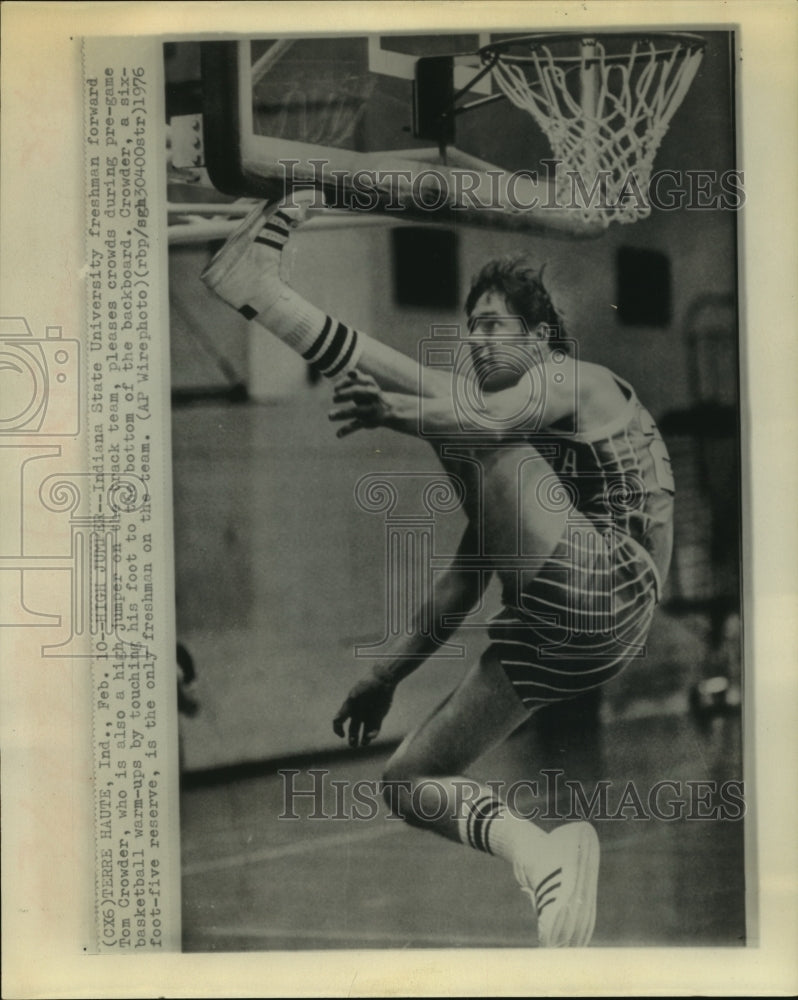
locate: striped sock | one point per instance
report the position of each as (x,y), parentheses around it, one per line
(488,825)
(327,345)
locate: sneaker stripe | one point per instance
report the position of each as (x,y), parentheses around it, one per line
(542,906)
(551,875)
(269,243)
(280,230)
(547,892)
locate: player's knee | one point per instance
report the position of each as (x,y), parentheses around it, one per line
(506,469)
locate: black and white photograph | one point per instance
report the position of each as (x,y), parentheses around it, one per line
(401,549)
(457,490)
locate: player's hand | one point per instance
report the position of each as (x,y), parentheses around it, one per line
(365,707)
(360,401)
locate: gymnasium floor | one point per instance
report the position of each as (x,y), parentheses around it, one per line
(274,661)
(254,882)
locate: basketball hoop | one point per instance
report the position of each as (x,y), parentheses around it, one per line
(604,102)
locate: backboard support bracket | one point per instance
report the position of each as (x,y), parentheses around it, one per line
(435,106)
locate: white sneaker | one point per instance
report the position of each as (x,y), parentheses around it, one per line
(562,882)
(252,252)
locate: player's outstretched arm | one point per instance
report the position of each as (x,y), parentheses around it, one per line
(456,592)
(360,402)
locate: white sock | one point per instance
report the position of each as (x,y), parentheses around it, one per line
(488,825)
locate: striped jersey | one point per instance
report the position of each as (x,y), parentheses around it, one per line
(620,477)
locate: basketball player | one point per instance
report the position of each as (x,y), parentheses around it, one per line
(568,496)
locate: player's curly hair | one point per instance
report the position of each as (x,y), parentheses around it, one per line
(521,285)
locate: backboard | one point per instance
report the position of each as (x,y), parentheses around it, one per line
(356,117)
(321,111)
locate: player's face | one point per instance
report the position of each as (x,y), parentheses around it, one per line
(502,348)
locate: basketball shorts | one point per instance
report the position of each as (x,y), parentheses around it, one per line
(579,620)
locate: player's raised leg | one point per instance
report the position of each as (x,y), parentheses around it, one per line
(246,274)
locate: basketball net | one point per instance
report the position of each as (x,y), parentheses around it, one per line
(605,138)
